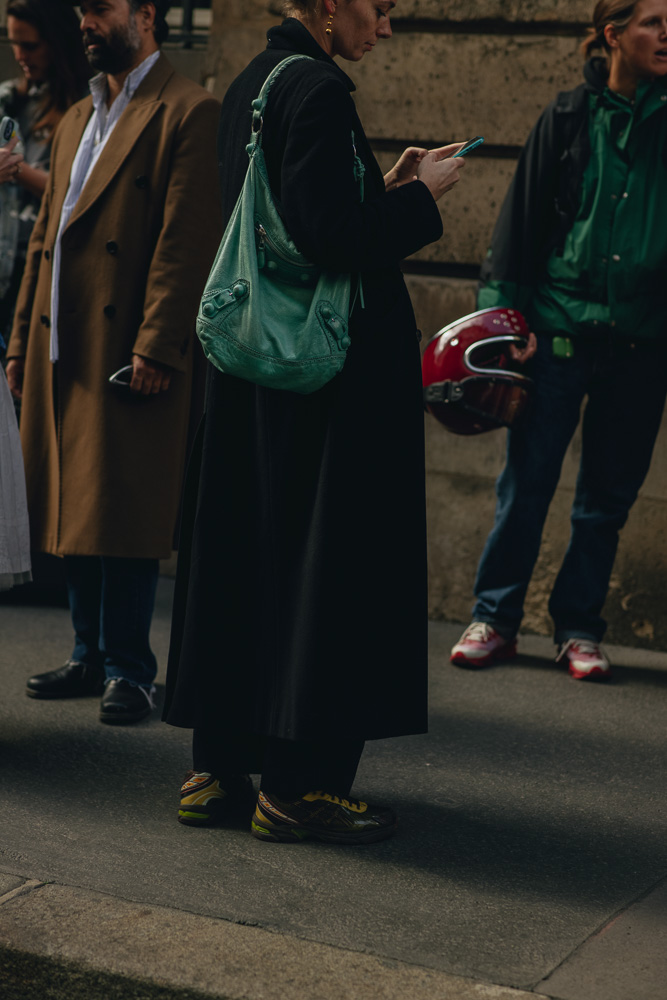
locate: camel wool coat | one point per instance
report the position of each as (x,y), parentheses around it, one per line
(104,467)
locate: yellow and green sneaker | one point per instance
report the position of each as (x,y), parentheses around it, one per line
(204,801)
(321,816)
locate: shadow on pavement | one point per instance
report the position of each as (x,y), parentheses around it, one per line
(29,977)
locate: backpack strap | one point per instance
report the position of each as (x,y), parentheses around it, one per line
(573,149)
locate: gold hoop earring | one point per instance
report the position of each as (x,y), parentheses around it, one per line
(329,24)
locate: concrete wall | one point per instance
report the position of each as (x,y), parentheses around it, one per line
(453,70)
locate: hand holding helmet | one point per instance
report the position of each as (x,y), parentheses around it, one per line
(469,385)
(523,354)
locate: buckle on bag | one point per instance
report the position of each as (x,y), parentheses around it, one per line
(257,111)
(225,297)
(335,325)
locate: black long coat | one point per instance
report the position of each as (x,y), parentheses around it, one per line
(300,608)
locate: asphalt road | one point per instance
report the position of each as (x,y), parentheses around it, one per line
(531,850)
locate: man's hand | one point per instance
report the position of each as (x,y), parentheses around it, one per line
(521,354)
(149,377)
(14,372)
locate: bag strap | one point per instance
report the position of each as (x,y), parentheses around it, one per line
(259,104)
(258,109)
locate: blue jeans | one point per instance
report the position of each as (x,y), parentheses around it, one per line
(111,601)
(626,387)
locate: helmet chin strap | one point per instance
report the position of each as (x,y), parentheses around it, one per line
(443,392)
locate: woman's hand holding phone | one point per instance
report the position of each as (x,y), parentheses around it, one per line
(416,163)
(9,161)
(439,170)
(406,169)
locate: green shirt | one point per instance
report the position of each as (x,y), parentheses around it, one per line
(614,263)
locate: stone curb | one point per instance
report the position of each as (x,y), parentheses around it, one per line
(176,949)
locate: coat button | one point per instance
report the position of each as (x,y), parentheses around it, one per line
(47,255)
(141,181)
(110,311)
(112,246)
(45,321)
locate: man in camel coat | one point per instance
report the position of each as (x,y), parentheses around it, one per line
(116,265)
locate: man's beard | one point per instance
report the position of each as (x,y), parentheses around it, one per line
(116,52)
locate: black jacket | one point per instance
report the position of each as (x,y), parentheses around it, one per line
(543,198)
(300,609)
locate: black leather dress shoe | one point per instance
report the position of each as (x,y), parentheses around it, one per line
(125,702)
(72,680)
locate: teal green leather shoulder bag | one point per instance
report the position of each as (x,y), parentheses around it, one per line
(269,315)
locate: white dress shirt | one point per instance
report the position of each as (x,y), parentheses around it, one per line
(99,128)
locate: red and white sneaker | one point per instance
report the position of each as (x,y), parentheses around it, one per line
(585,660)
(480,645)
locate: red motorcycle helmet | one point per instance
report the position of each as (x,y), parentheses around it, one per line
(469,385)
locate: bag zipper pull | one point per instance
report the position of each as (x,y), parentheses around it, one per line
(261,245)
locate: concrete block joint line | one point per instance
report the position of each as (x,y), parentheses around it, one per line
(21,890)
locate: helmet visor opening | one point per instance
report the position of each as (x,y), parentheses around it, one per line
(500,401)
(494,353)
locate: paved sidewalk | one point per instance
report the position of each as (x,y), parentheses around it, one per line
(531,858)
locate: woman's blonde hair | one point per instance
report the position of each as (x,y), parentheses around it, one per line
(299,7)
(618,13)
(308,7)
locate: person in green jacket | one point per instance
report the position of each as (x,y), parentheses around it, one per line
(580,247)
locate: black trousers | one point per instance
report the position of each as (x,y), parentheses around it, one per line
(289,768)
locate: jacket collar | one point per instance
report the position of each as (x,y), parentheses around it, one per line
(596,74)
(154,82)
(293,36)
(134,119)
(650,95)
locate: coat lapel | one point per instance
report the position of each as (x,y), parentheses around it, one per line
(134,119)
(69,139)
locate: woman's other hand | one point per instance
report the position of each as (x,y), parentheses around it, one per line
(439,169)
(405,170)
(521,354)
(9,161)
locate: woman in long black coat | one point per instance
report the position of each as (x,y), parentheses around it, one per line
(300,614)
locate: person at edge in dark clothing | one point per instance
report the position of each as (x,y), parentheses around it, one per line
(46,43)
(580,247)
(300,609)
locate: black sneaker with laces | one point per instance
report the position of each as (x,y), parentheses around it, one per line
(321,816)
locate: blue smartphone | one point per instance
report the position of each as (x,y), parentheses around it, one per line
(470,144)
